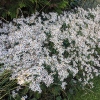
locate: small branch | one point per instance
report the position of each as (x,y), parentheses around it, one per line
(4,19)
(65,93)
(18,12)
(89,90)
(3,96)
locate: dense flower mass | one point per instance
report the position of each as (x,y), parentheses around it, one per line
(38,49)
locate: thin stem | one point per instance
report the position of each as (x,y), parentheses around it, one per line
(4,19)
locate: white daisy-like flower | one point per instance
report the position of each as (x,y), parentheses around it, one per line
(65,44)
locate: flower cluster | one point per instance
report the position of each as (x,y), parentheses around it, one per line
(39,48)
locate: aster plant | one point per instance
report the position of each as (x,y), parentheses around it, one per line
(52,50)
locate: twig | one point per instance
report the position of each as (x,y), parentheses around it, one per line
(17,12)
(42,8)
(4,19)
(3,96)
(89,90)
(65,93)
(45,5)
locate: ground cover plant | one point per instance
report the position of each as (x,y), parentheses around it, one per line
(52,52)
(8,87)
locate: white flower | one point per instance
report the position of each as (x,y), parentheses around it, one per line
(14,93)
(24,52)
(24,97)
(63,85)
(21,80)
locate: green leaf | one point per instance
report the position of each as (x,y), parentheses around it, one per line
(73,42)
(34,99)
(88,57)
(25,91)
(33,1)
(71,91)
(58,98)
(37,95)
(65,54)
(31,93)
(98,50)
(56,90)
(63,27)
(43,86)
(47,67)
(79,33)
(21,5)
(18,97)
(65,99)
(66,43)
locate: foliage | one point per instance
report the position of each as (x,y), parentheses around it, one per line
(10,90)
(6,85)
(87,93)
(54,92)
(10,9)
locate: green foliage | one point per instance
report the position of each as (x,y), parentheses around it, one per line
(54,92)
(37,95)
(66,43)
(88,93)
(47,67)
(88,3)
(11,9)
(6,85)
(65,54)
(73,42)
(58,98)
(64,27)
(50,45)
(98,50)
(79,33)
(1,65)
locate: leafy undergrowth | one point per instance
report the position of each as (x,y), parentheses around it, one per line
(7,86)
(88,94)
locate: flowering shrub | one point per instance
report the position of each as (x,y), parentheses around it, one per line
(52,49)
